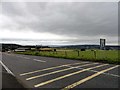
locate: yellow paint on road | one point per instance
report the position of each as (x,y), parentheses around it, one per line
(27,73)
(88,78)
(67,75)
(34,77)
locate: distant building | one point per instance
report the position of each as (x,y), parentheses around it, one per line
(46,49)
(21,49)
(102,44)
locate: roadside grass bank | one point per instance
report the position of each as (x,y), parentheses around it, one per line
(105,56)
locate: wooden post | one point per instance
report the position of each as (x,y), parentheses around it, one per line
(95,54)
(65,53)
(78,53)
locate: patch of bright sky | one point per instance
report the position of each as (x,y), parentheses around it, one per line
(31,35)
(60,0)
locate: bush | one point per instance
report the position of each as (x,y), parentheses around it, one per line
(36,53)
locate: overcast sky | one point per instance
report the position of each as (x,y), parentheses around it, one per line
(59,23)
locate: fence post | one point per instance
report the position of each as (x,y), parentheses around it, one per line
(65,53)
(95,53)
(78,53)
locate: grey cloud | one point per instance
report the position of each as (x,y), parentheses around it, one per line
(68,19)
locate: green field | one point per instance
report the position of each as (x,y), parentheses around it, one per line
(107,56)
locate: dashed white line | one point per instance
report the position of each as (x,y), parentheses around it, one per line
(18,56)
(26,57)
(39,60)
(33,59)
(68,66)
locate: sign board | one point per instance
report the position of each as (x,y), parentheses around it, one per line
(102,44)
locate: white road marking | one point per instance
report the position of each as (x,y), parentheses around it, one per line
(33,59)
(6,68)
(68,66)
(98,71)
(26,57)
(39,60)
(114,75)
(18,56)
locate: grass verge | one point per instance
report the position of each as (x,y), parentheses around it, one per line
(104,56)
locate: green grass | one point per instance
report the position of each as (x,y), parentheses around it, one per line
(106,56)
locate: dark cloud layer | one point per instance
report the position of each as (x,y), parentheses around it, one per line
(93,19)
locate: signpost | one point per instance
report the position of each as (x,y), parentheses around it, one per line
(102,44)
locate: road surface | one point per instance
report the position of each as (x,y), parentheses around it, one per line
(47,72)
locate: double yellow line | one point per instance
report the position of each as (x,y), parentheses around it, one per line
(67,75)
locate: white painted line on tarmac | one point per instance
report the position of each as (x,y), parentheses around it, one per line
(6,68)
(18,56)
(26,57)
(114,75)
(39,60)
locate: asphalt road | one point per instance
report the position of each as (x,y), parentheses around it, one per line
(46,72)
